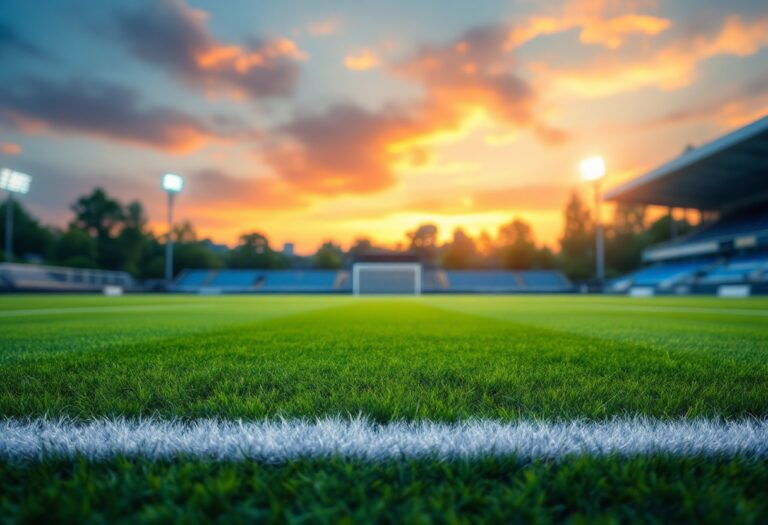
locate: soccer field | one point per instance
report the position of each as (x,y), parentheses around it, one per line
(397,398)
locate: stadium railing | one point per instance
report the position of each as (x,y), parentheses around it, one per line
(34,277)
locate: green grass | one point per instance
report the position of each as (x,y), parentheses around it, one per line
(586,490)
(441,358)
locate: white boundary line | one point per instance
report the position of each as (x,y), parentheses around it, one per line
(284,440)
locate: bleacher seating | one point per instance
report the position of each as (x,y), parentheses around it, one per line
(319,281)
(544,280)
(739,270)
(194,278)
(299,280)
(483,281)
(745,222)
(434,281)
(235,279)
(717,238)
(662,275)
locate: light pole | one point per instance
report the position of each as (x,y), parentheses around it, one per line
(172,184)
(593,170)
(12,182)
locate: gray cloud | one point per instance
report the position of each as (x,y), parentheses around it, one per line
(173,36)
(99,109)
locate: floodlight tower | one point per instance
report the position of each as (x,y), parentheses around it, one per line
(172,184)
(12,182)
(593,170)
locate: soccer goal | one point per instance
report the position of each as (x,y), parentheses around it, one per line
(386,278)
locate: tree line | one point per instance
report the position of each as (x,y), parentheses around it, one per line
(105,233)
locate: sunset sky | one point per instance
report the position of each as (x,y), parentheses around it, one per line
(312,120)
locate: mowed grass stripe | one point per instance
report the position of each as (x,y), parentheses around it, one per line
(116,324)
(695,332)
(386,359)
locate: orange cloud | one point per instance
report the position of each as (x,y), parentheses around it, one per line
(512,199)
(341,150)
(361,61)
(10,148)
(349,149)
(611,32)
(600,22)
(671,67)
(474,75)
(242,61)
(212,189)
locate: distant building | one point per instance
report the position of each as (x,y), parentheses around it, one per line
(288,249)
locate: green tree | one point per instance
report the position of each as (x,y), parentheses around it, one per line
(253,251)
(97,214)
(75,248)
(133,240)
(328,257)
(101,217)
(461,252)
(625,239)
(194,256)
(545,259)
(517,249)
(423,241)
(661,230)
(578,241)
(29,237)
(360,247)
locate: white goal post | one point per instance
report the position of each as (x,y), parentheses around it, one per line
(386,278)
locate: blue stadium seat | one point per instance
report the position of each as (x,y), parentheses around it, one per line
(544,280)
(299,280)
(235,279)
(193,278)
(666,272)
(738,270)
(743,223)
(483,281)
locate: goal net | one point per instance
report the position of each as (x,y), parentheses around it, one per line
(386,278)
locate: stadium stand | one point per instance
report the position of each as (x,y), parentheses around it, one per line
(300,281)
(543,280)
(33,277)
(267,281)
(727,178)
(325,281)
(741,269)
(484,281)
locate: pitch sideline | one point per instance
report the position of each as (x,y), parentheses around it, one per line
(285,440)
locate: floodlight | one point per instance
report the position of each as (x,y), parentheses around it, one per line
(13,181)
(173,183)
(592,168)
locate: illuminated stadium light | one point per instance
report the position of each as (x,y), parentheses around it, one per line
(592,168)
(14,181)
(173,183)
